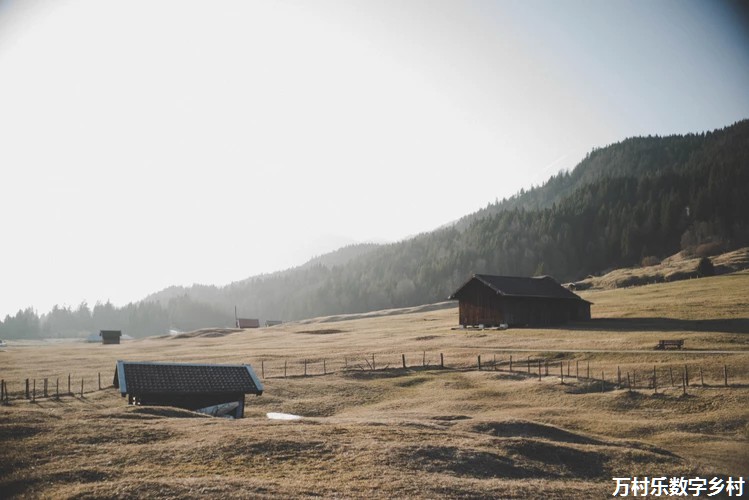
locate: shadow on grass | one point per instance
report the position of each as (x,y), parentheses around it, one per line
(738,325)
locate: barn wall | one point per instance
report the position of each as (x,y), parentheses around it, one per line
(480,305)
(189,401)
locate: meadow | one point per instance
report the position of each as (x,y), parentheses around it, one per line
(372,428)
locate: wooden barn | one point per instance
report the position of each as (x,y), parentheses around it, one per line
(517,301)
(248,323)
(110,336)
(217,390)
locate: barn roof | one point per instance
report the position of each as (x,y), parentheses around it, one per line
(248,323)
(143,377)
(519,286)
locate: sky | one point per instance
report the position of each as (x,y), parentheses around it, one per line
(152,143)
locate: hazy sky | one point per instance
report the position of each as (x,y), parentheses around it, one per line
(150,143)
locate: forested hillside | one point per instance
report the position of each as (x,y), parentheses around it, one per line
(642,198)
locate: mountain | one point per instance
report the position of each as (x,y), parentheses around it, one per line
(632,202)
(641,197)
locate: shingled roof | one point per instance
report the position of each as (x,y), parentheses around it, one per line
(141,378)
(517,286)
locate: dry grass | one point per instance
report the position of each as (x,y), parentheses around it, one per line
(674,268)
(394,432)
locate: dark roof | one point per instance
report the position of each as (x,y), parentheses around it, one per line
(518,286)
(248,323)
(110,333)
(184,378)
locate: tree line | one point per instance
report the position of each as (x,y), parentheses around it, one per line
(638,200)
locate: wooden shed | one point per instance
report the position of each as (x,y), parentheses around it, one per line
(490,300)
(217,390)
(248,323)
(110,336)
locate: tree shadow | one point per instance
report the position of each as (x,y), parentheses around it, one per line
(736,325)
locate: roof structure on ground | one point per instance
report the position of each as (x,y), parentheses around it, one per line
(519,286)
(143,377)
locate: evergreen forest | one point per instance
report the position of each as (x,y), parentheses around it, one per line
(638,200)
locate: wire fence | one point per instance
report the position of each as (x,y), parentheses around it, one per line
(589,376)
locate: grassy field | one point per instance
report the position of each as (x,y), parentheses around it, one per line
(422,431)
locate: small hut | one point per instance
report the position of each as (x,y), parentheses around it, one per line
(248,323)
(110,336)
(490,300)
(217,390)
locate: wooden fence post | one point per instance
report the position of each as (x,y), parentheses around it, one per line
(479,362)
(45,387)
(655,381)
(57,388)
(725,375)
(684,383)
(99,380)
(539,370)
(618,376)
(510,363)
(403,360)
(373,363)
(529,364)
(702,378)
(442,360)
(577,369)
(81,387)
(305,367)
(424,359)
(561,371)
(568,368)
(28,396)
(2,390)
(588,369)
(671,374)
(33,393)
(324,368)
(284,368)
(262,368)
(69,392)
(603,382)
(686,375)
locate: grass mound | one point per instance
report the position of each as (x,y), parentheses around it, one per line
(529,429)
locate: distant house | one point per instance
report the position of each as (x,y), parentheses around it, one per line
(517,301)
(110,336)
(248,323)
(273,322)
(217,390)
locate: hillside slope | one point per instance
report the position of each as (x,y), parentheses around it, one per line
(639,200)
(642,197)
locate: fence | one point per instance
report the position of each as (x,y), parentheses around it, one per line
(630,378)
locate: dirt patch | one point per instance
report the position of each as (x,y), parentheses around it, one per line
(322,331)
(412,382)
(461,462)
(560,460)
(149,413)
(528,429)
(451,418)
